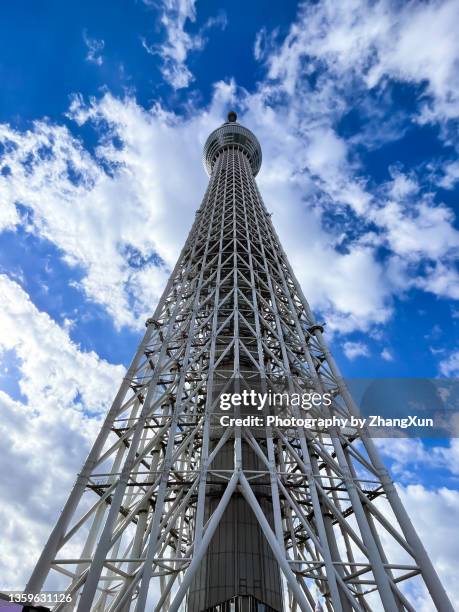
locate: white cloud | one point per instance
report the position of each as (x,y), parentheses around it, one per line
(450,365)
(180,43)
(418,229)
(439,507)
(426,506)
(46,434)
(54,372)
(325,155)
(352,350)
(420,235)
(450,175)
(441,280)
(387,355)
(348,289)
(402,186)
(103,220)
(409,456)
(447,456)
(258,45)
(9,218)
(372,41)
(95,48)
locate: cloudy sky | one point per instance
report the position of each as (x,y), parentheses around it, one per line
(103,114)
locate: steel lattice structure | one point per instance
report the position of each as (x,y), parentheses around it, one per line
(163,487)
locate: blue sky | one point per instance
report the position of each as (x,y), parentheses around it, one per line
(103,114)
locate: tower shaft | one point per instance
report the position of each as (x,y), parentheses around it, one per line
(173,508)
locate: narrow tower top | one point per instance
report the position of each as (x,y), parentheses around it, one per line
(232,134)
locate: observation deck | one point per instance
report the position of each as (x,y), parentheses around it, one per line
(229,134)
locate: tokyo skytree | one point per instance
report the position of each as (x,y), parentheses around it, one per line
(173,510)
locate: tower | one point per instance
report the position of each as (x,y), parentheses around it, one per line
(173,506)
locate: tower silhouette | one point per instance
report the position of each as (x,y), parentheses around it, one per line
(175,508)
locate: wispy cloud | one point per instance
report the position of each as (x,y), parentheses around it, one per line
(95,47)
(450,365)
(179,43)
(352,350)
(450,175)
(387,355)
